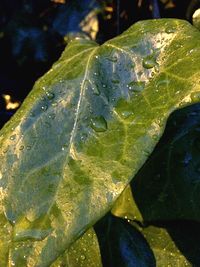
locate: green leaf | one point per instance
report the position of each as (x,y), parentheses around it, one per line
(86,129)
(125,206)
(83,253)
(168,185)
(164,247)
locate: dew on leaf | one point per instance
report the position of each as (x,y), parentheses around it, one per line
(50,95)
(195,96)
(44,108)
(28,148)
(149,62)
(136,86)
(83,257)
(13,137)
(170,30)
(126,113)
(99,124)
(95,90)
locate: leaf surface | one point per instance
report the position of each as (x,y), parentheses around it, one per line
(84,131)
(83,253)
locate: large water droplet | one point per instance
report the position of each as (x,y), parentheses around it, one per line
(13,137)
(170,30)
(149,62)
(99,124)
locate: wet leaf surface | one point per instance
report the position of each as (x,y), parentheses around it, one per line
(79,138)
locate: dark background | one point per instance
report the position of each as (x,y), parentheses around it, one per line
(33,33)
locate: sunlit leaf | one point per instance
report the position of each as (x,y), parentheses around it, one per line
(85,130)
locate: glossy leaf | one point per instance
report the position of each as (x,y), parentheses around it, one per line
(85,130)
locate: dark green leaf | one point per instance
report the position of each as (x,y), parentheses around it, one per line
(168,185)
(85,130)
(122,245)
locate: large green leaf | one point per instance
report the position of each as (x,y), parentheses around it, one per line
(85,130)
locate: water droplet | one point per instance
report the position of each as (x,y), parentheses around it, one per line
(28,148)
(126,113)
(136,86)
(50,95)
(54,104)
(149,62)
(195,96)
(99,124)
(95,90)
(104,86)
(13,137)
(21,147)
(170,30)
(44,108)
(83,257)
